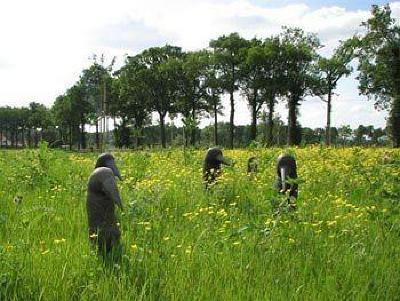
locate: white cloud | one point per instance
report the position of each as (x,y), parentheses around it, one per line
(45,44)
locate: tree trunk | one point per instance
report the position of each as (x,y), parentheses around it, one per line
(35,137)
(193,137)
(70,137)
(193,129)
(15,137)
(395,121)
(231,124)
(271,109)
(97,134)
(328,118)
(215,124)
(292,128)
(162,130)
(139,140)
(185,129)
(23,137)
(185,136)
(83,137)
(6,136)
(30,137)
(253,129)
(395,109)
(61,134)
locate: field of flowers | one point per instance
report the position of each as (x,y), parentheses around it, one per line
(237,241)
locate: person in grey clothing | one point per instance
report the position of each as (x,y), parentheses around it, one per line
(102,196)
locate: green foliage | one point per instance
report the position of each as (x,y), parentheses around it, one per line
(378,52)
(332,70)
(170,82)
(229,53)
(238,240)
(192,90)
(160,74)
(301,79)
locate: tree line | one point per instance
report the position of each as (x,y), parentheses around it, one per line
(190,85)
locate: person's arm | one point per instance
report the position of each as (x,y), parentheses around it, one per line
(111,190)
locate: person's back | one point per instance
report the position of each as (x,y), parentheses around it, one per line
(286,169)
(100,206)
(102,196)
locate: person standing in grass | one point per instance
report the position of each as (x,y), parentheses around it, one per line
(102,196)
(212,165)
(286,169)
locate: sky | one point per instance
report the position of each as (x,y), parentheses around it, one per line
(45,44)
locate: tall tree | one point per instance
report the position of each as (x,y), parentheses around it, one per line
(161,81)
(345,133)
(96,83)
(300,54)
(39,119)
(213,92)
(332,70)
(191,101)
(262,78)
(378,53)
(64,118)
(132,103)
(24,121)
(251,79)
(81,108)
(273,80)
(229,54)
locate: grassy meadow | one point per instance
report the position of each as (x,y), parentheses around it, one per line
(237,241)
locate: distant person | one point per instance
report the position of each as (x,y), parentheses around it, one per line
(212,165)
(286,170)
(252,165)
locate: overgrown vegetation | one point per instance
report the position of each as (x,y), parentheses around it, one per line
(181,242)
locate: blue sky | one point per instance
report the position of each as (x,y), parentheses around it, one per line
(45,45)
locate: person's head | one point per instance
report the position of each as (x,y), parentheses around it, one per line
(108,160)
(214,158)
(252,165)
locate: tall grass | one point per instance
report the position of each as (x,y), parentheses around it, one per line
(181,242)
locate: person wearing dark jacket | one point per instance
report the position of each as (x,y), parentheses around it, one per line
(212,165)
(286,169)
(102,196)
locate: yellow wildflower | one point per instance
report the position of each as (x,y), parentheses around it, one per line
(331,223)
(188,250)
(59,241)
